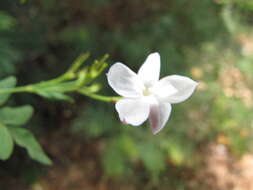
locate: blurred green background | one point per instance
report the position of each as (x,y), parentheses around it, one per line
(210,41)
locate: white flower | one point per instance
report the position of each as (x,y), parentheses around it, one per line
(144,95)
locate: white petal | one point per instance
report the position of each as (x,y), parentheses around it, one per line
(159,115)
(163,89)
(124,81)
(184,85)
(150,70)
(133,111)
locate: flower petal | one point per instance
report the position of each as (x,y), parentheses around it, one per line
(150,70)
(163,89)
(184,85)
(159,115)
(124,81)
(133,111)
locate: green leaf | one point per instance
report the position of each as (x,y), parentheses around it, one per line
(16,116)
(6,143)
(25,139)
(8,82)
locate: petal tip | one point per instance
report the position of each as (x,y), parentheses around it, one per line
(155,132)
(155,129)
(124,121)
(195,83)
(155,53)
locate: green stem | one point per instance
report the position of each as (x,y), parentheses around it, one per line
(64,77)
(28,88)
(32,89)
(112,99)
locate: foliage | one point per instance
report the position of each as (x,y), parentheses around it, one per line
(74,79)
(11,120)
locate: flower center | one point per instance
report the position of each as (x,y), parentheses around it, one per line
(146,92)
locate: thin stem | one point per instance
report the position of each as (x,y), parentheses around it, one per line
(64,77)
(32,89)
(112,99)
(27,88)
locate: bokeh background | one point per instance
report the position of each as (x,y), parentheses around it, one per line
(207,142)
